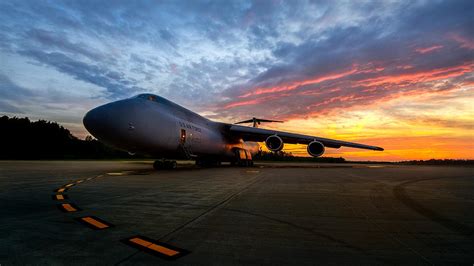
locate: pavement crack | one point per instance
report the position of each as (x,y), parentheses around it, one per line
(401,194)
(306,229)
(211,209)
(391,235)
(200,216)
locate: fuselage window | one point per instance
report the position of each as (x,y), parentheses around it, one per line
(182,139)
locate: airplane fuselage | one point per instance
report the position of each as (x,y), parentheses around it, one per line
(149,124)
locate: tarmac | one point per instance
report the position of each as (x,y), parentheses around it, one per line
(125,213)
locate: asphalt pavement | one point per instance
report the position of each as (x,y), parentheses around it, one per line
(125,213)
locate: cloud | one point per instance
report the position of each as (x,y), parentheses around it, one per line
(236,59)
(48,39)
(10,91)
(466,42)
(8,108)
(115,82)
(425,50)
(353,65)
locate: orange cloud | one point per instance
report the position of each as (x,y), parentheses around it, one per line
(242,103)
(250,102)
(419,77)
(414,125)
(464,41)
(294,85)
(413,114)
(372,86)
(428,49)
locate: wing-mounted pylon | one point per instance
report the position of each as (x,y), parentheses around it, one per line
(257,121)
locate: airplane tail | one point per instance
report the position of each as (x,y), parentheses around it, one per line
(257,121)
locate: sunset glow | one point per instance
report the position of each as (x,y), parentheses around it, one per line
(399,75)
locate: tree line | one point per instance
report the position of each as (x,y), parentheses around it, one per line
(21,138)
(289,157)
(439,162)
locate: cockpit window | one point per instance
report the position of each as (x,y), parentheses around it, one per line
(149,97)
(154,98)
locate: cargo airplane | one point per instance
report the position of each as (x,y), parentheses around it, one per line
(150,124)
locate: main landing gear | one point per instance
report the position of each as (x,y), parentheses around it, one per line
(242,158)
(164,164)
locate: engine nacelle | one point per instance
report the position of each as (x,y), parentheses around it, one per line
(274,143)
(315,148)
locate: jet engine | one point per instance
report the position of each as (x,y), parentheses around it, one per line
(315,148)
(274,143)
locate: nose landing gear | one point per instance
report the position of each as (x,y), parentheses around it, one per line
(164,164)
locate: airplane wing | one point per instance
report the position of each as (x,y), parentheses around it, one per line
(260,134)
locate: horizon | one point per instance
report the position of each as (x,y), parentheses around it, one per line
(263,148)
(393,74)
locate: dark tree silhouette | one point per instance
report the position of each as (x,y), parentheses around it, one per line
(22,139)
(288,157)
(439,162)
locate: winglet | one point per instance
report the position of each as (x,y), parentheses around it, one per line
(257,121)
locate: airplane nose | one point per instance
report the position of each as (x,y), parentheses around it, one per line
(109,122)
(90,120)
(115,123)
(94,120)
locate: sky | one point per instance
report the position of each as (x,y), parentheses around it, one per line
(396,74)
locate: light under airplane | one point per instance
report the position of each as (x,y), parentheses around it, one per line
(150,124)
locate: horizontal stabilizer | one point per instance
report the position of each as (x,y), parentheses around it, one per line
(257,121)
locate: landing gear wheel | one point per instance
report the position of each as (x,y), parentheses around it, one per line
(245,163)
(162,164)
(173,165)
(158,165)
(198,162)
